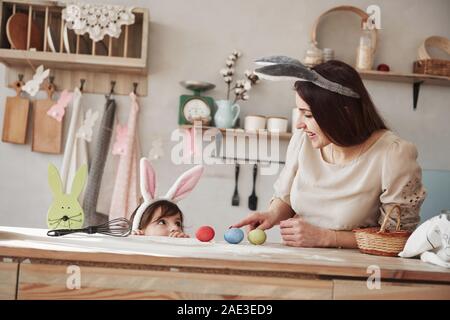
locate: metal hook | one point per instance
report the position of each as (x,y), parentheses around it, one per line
(113,84)
(82,81)
(135,84)
(20,77)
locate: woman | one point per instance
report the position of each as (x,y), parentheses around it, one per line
(344,168)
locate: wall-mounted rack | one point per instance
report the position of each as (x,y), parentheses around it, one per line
(122,59)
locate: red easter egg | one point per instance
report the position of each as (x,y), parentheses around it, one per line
(205,234)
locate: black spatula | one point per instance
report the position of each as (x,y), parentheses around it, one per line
(235,200)
(253,199)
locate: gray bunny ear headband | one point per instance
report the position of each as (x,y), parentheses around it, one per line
(278,68)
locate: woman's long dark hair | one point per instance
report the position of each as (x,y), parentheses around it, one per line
(344,120)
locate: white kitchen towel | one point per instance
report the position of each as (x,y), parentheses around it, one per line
(75,151)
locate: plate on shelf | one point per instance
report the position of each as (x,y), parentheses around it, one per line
(66,39)
(16,32)
(50,40)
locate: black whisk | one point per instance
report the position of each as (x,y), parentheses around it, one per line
(119,227)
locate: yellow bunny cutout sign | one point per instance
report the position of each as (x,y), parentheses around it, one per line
(65,210)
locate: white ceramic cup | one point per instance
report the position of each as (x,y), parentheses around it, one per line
(295,116)
(255,123)
(277,124)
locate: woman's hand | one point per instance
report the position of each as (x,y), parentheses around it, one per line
(137,232)
(178,234)
(260,220)
(296,232)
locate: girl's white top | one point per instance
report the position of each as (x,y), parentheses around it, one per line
(356,194)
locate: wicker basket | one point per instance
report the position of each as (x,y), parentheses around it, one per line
(428,65)
(381,242)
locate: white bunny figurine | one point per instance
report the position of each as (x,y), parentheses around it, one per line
(32,86)
(85,130)
(180,189)
(431,240)
(156,151)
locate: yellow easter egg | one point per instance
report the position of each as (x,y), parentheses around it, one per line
(257,236)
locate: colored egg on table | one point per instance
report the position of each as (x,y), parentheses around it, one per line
(233,235)
(257,236)
(205,234)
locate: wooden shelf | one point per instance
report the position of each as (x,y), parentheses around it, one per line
(69,61)
(416,79)
(242,132)
(405,77)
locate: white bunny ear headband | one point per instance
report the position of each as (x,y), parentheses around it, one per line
(285,68)
(179,190)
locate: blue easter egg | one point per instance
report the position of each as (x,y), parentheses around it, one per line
(233,235)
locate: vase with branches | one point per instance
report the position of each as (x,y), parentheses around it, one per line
(228,110)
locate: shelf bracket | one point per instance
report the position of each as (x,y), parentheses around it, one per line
(416,90)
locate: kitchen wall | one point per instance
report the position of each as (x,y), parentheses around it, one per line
(191,39)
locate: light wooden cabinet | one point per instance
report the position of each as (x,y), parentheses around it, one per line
(43,281)
(358,290)
(8,280)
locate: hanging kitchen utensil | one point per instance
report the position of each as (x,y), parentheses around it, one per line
(235,200)
(253,199)
(17,32)
(15,120)
(47,131)
(120,227)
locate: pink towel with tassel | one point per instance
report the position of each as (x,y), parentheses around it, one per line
(125,195)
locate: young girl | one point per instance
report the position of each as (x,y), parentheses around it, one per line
(160,216)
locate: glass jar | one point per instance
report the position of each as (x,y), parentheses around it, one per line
(314,56)
(364,54)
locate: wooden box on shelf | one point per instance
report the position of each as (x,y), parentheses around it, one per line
(122,59)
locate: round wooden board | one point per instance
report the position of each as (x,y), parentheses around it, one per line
(16,31)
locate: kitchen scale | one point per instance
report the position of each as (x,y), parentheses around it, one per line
(196,107)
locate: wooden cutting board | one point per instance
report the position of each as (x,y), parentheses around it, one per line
(47,131)
(16,117)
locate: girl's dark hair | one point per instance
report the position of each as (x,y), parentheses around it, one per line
(344,120)
(168,209)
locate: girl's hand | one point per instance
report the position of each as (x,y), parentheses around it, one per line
(260,220)
(296,232)
(137,232)
(178,234)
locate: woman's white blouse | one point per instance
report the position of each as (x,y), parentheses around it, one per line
(356,194)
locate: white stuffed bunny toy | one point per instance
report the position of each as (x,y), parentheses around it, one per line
(179,190)
(431,240)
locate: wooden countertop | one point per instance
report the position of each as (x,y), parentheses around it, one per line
(162,253)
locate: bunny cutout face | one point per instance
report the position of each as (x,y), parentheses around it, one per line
(65,212)
(179,190)
(32,86)
(58,110)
